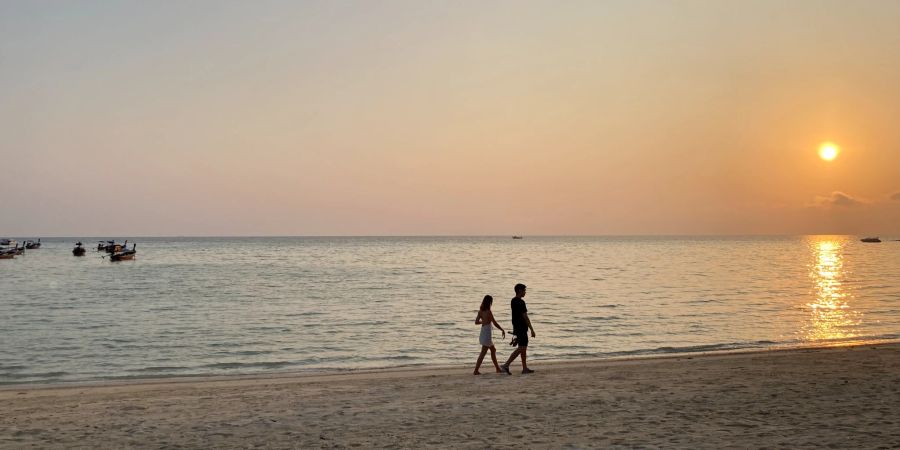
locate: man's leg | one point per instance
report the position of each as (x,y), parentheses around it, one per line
(513,356)
(525,369)
(523,350)
(505,366)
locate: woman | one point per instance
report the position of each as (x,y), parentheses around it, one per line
(485,318)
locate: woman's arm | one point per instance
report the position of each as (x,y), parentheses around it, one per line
(478,318)
(494,321)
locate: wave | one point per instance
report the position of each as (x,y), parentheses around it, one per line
(709,347)
(397,358)
(12,374)
(36,375)
(242,365)
(245,352)
(731,346)
(161,369)
(234,344)
(304,314)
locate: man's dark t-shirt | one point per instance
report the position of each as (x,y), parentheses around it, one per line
(518,307)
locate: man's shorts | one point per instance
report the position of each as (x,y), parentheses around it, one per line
(522,338)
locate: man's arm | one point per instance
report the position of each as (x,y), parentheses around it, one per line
(528,321)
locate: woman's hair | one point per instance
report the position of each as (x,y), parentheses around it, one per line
(486,303)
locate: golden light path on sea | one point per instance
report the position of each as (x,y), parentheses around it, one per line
(831,313)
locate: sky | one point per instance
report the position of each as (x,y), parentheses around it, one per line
(138,118)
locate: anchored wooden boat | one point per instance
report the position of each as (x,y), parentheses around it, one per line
(78,250)
(7,253)
(32,245)
(111,246)
(871,239)
(16,250)
(123,254)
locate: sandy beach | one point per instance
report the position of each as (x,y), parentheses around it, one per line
(845,397)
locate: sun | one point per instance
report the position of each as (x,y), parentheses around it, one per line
(828,151)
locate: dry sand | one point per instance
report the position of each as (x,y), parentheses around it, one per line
(845,397)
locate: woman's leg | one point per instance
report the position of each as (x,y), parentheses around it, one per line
(494,358)
(480,359)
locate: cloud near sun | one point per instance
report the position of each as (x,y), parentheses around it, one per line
(837,199)
(843,200)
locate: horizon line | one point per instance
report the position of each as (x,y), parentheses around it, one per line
(99,237)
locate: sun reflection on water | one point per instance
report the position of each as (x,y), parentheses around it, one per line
(831,314)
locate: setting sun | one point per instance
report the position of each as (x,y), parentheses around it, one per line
(828,151)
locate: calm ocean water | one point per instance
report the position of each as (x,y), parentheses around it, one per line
(212,306)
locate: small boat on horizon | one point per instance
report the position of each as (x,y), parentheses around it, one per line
(518,237)
(78,250)
(871,239)
(32,245)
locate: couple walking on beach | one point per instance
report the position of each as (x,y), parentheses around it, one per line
(521,326)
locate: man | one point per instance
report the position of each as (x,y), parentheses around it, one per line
(521,325)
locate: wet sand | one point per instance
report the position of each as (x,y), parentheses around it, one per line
(846,397)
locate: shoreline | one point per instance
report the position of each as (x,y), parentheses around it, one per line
(423,368)
(843,396)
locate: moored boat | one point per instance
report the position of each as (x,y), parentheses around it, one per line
(78,250)
(15,250)
(7,253)
(111,246)
(32,245)
(124,254)
(871,239)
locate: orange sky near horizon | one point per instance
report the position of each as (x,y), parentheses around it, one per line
(403,118)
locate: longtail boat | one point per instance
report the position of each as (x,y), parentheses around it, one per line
(123,254)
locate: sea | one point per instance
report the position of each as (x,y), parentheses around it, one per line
(202,306)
